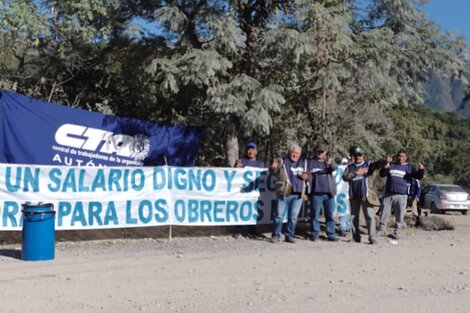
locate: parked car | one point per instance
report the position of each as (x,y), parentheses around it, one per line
(443,198)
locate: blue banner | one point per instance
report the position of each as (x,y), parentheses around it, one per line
(38,132)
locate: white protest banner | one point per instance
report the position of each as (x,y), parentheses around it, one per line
(112,197)
(342,192)
(115,197)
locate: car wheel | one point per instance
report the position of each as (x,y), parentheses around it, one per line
(465,212)
(433,208)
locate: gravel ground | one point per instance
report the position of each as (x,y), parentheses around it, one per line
(424,272)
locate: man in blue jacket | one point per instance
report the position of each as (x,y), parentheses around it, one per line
(399,175)
(360,195)
(249,160)
(290,189)
(323,192)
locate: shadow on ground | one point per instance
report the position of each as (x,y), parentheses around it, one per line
(163,232)
(12,253)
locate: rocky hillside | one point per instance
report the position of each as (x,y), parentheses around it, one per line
(448,95)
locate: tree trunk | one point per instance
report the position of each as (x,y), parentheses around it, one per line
(232,142)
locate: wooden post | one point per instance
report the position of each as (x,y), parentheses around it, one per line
(170,228)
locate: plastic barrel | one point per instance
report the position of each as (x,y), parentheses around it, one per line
(38,235)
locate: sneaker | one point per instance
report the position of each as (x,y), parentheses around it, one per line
(313,239)
(290,239)
(372,241)
(396,235)
(381,233)
(274,239)
(332,239)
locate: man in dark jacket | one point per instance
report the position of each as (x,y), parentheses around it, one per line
(249,160)
(359,193)
(290,191)
(399,175)
(322,192)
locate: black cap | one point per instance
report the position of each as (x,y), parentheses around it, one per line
(357,151)
(320,147)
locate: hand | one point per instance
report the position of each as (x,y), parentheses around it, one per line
(362,171)
(305,197)
(328,161)
(304,176)
(238,163)
(275,165)
(421,166)
(389,160)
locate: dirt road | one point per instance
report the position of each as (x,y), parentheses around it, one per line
(424,272)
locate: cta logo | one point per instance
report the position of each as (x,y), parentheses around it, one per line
(98,140)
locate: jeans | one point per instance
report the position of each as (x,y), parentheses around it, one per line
(286,206)
(345,222)
(328,203)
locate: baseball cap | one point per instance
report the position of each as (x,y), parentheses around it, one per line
(351,150)
(320,147)
(357,151)
(251,145)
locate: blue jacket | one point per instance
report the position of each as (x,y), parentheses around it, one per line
(252,163)
(321,178)
(293,170)
(399,177)
(414,189)
(357,183)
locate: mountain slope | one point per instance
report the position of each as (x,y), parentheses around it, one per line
(445,94)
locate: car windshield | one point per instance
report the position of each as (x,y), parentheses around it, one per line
(451,189)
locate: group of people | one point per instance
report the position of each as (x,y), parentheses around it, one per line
(300,179)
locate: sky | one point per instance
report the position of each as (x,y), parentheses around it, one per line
(451,15)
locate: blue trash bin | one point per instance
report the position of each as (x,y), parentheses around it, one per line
(38,235)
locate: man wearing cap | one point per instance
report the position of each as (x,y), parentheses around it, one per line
(399,175)
(359,194)
(290,185)
(322,192)
(249,160)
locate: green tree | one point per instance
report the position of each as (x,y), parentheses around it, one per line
(439,140)
(217,64)
(338,71)
(22,27)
